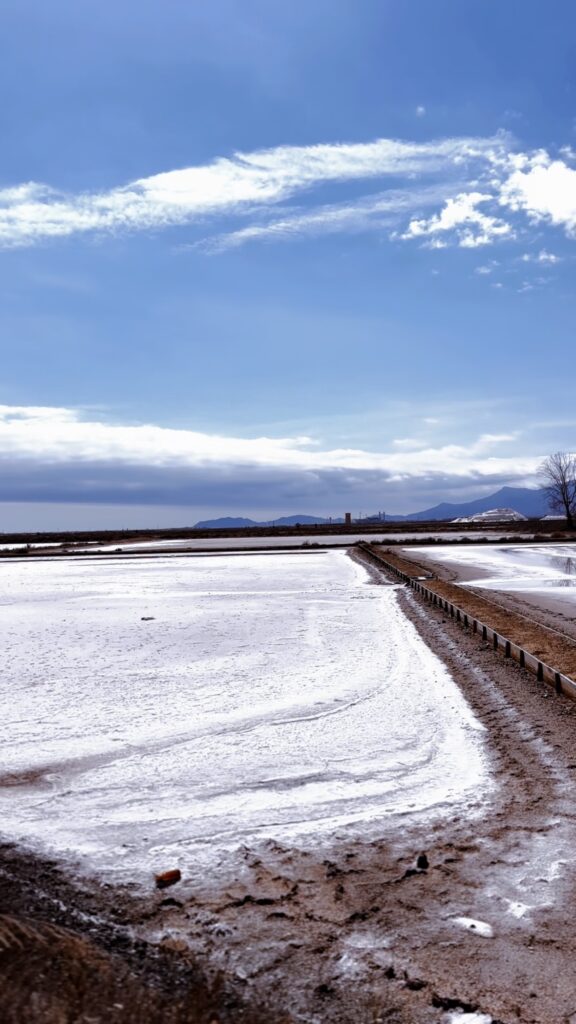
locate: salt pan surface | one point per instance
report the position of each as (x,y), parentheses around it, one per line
(282,697)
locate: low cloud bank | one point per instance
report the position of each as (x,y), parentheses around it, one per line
(55,455)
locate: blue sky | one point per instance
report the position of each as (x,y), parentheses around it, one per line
(264,258)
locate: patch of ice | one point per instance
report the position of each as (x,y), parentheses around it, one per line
(553,870)
(468,1018)
(517,909)
(349,965)
(478,927)
(367,940)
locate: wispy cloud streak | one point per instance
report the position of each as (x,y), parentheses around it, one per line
(485,193)
(32,212)
(362,215)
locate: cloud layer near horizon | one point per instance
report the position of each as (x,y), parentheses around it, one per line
(54,454)
(479,185)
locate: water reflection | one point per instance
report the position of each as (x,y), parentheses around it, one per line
(530,568)
(560,583)
(558,559)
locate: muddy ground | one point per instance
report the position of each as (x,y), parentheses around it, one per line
(475,912)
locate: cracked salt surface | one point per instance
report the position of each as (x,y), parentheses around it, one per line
(262,698)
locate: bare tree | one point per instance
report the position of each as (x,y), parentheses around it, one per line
(559,474)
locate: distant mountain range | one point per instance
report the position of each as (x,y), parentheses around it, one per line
(231,523)
(529,501)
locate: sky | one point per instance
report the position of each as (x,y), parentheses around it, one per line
(270,258)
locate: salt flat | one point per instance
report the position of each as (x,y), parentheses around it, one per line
(159,712)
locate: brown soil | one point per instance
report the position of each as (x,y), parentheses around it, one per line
(68,957)
(368,932)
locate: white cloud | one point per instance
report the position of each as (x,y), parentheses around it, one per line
(372,214)
(541,257)
(462,217)
(30,414)
(59,436)
(408,443)
(434,243)
(31,212)
(488,268)
(544,189)
(483,189)
(535,282)
(420,111)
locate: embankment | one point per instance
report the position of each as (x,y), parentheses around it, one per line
(546,652)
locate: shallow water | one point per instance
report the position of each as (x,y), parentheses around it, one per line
(289,541)
(175,708)
(527,568)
